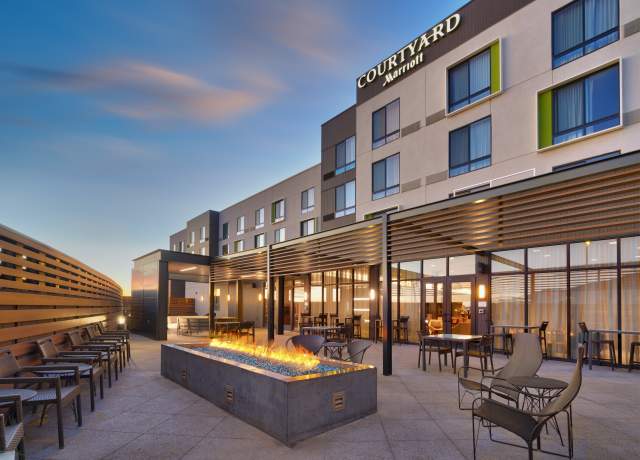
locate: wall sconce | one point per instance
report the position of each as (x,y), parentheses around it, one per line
(260,297)
(217,292)
(372,294)
(482,292)
(306,296)
(121,319)
(201,298)
(228,297)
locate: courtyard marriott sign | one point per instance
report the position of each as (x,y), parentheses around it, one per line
(409,57)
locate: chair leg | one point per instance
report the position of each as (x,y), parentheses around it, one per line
(92,392)
(632,353)
(491,361)
(44,412)
(439,361)
(102,386)
(79,409)
(22,455)
(612,356)
(109,371)
(60,425)
(473,435)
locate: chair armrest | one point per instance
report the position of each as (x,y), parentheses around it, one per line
(93,346)
(28,380)
(95,354)
(75,369)
(16,400)
(69,360)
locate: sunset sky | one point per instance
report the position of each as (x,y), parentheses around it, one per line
(120,120)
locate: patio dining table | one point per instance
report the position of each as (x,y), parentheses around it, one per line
(592,332)
(320,330)
(457,339)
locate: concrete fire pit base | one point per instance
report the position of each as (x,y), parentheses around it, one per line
(288,408)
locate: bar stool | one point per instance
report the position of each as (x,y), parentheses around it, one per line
(599,343)
(542,332)
(632,361)
(357,326)
(401,329)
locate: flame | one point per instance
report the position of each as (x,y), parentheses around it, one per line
(298,358)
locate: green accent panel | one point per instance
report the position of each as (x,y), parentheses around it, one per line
(495,67)
(545,120)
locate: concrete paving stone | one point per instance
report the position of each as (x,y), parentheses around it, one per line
(425,449)
(194,425)
(84,445)
(412,430)
(366,429)
(133,422)
(155,446)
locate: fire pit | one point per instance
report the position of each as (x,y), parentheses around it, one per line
(291,395)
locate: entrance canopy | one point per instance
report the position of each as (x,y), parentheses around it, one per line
(150,287)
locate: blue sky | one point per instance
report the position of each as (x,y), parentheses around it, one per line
(120,120)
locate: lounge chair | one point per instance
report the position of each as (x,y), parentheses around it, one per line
(525,424)
(11,373)
(108,353)
(524,362)
(12,437)
(117,342)
(122,334)
(51,354)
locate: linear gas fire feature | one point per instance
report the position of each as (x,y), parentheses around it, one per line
(287,396)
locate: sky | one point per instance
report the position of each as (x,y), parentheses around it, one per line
(120,120)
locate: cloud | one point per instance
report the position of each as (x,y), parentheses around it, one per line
(148,92)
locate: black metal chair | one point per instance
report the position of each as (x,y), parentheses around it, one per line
(525,424)
(310,343)
(356,350)
(542,332)
(598,343)
(633,362)
(482,350)
(401,329)
(357,326)
(433,346)
(247,329)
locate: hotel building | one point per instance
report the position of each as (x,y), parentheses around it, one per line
(488,172)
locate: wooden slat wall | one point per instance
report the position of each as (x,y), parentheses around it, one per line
(361,245)
(589,207)
(245,265)
(45,292)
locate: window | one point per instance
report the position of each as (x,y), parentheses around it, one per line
(240,225)
(308,200)
(386,124)
(386,176)
(587,105)
(470,147)
(225,249)
(203,251)
(346,199)
(278,235)
(260,218)
(307,227)
(582,27)
(225,230)
(277,211)
(346,155)
(238,246)
(203,233)
(474,78)
(181,246)
(259,240)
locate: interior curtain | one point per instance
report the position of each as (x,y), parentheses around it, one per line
(600,16)
(459,83)
(393,171)
(567,28)
(350,153)
(393,117)
(569,106)
(459,146)
(480,72)
(480,139)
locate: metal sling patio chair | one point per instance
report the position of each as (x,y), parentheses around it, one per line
(51,354)
(12,436)
(11,373)
(310,343)
(107,353)
(525,361)
(525,424)
(117,342)
(102,332)
(356,350)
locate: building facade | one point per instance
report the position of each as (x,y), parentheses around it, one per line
(487,173)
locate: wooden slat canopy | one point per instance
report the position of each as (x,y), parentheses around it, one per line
(245,265)
(43,291)
(568,208)
(358,244)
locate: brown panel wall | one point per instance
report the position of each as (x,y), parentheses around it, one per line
(45,292)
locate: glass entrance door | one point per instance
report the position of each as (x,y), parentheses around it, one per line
(459,303)
(434,305)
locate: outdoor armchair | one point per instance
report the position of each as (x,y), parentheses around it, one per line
(117,342)
(51,354)
(107,353)
(525,424)
(310,343)
(11,373)
(525,361)
(356,350)
(12,436)
(103,332)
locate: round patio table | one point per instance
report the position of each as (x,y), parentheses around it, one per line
(63,372)
(334,349)
(24,393)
